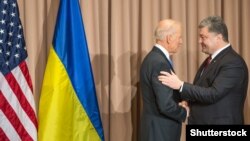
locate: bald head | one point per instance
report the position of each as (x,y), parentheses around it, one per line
(166,27)
(168,35)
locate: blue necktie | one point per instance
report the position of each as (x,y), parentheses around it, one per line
(171,62)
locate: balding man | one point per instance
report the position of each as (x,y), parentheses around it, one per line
(162,116)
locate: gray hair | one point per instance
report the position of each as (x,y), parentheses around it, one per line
(215,24)
(162,31)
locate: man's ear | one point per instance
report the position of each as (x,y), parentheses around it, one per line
(220,37)
(169,39)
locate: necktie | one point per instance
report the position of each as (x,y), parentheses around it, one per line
(207,62)
(171,62)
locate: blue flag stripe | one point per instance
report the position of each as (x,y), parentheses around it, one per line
(71,47)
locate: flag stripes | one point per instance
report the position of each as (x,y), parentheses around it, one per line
(24,68)
(13,118)
(24,86)
(24,101)
(18,107)
(7,132)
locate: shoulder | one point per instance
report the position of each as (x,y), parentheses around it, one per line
(231,59)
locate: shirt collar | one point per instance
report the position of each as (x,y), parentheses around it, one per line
(165,52)
(218,51)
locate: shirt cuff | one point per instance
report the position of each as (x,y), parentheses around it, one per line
(180,89)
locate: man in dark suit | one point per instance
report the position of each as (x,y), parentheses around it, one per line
(162,115)
(219,89)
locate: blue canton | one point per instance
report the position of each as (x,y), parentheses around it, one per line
(12,44)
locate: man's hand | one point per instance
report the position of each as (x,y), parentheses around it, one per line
(170,80)
(184,104)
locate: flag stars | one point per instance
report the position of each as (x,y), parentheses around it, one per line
(4,11)
(13,14)
(2,21)
(13,4)
(12,24)
(1,31)
(19,36)
(5,2)
(10,33)
(8,53)
(12,50)
(17,46)
(9,43)
(17,55)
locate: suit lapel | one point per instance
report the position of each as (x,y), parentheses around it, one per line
(155,49)
(212,65)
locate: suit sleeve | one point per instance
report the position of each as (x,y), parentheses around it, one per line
(216,86)
(164,97)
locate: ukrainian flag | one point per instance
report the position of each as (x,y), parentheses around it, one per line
(68,108)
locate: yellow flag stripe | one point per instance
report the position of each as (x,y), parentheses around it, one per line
(60,109)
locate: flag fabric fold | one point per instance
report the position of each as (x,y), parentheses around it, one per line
(68,108)
(17,106)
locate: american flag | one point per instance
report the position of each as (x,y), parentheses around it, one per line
(17,106)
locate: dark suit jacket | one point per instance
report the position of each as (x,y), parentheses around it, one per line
(162,117)
(218,95)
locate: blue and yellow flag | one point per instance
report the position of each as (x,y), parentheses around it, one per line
(68,109)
